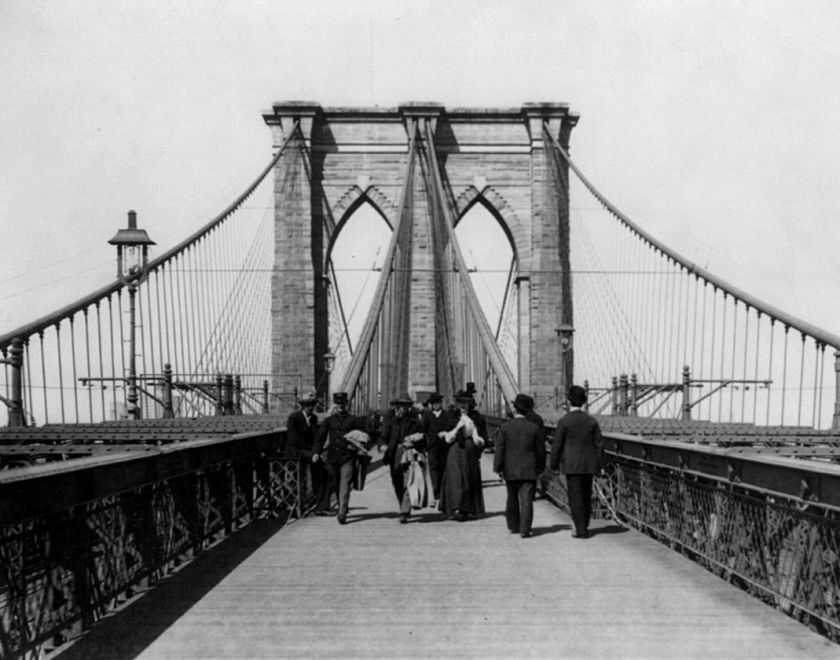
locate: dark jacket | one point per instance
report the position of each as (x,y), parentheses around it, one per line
(300,434)
(577,446)
(399,428)
(520,450)
(329,440)
(433,425)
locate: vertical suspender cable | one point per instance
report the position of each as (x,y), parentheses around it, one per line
(756,372)
(44,378)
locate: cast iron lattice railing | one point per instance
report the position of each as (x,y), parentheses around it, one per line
(768,525)
(73,544)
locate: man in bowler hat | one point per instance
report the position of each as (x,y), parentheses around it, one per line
(301,427)
(519,459)
(336,452)
(578,452)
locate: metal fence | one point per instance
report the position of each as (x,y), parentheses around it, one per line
(78,538)
(767,524)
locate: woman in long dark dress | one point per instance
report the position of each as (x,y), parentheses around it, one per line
(460,489)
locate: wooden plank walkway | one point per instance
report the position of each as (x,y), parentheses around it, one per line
(437,588)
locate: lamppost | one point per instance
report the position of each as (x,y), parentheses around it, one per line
(329,360)
(565,333)
(132,263)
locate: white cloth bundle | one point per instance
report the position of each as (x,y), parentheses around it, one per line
(469,431)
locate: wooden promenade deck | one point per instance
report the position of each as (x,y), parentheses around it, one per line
(442,589)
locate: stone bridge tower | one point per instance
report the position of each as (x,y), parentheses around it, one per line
(493,156)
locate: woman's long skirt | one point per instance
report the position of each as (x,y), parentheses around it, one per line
(460,489)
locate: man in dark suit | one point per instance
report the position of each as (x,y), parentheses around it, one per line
(578,452)
(337,454)
(301,427)
(519,459)
(435,420)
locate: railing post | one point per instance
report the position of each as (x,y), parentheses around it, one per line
(168,411)
(586,389)
(228,397)
(614,395)
(835,423)
(265,397)
(622,395)
(634,395)
(237,394)
(220,402)
(686,392)
(15,361)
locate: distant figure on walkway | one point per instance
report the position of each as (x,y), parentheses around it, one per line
(531,415)
(301,427)
(435,420)
(578,452)
(405,456)
(460,489)
(339,455)
(519,460)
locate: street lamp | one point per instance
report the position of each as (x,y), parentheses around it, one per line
(566,334)
(132,262)
(329,360)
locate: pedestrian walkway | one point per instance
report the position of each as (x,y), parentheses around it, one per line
(437,588)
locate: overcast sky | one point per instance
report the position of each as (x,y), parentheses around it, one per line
(713,124)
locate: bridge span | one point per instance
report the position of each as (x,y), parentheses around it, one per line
(190,538)
(440,588)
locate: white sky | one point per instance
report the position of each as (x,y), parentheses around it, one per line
(711,124)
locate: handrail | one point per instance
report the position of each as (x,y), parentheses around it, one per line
(820,335)
(94,298)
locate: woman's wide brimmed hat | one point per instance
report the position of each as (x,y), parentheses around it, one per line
(463,396)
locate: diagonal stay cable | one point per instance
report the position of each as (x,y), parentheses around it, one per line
(354,370)
(497,361)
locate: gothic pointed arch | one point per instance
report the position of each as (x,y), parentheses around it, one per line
(497,205)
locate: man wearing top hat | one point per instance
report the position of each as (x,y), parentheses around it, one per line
(337,454)
(519,460)
(436,420)
(578,451)
(301,427)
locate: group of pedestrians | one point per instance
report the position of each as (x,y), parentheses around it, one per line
(442,446)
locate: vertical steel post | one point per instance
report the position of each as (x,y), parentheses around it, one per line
(622,395)
(634,395)
(220,402)
(686,391)
(614,395)
(168,411)
(835,423)
(15,361)
(237,394)
(265,397)
(228,396)
(133,408)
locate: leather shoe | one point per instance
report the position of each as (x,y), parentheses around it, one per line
(579,535)
(342,520)
(403,519)
(526,535)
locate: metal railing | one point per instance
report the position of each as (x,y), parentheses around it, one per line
(81,536)
(768,524)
